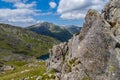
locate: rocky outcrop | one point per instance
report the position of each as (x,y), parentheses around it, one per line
(1,65)
(94,53)
(4,68)
(7,68)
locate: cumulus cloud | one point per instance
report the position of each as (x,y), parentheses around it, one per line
(12,1)
(52,4)
(22,5)
(22,14)
(47,13)
(76,9)
(16,15)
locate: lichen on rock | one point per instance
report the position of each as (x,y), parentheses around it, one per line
(94,53)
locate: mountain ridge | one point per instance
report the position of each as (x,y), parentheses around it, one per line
(21,41)
(61,33)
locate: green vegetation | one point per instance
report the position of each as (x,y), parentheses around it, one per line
(24,70)
(69,68)
(111,68)
(19,49)
(49,29)
(73,29)
(86,78)
(20,41)
(16,63)
(72,61)
(49,76)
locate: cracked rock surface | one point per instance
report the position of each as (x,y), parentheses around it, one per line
(94,53)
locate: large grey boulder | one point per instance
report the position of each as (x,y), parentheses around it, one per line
(94,53)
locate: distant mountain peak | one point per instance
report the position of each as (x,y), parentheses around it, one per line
(17,40)
(61,33)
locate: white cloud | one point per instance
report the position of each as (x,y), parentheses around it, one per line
(47,13)
(76,9)
(12,1)
(22,5)
(12,15)
(22,14)
(15,1)
(52,4)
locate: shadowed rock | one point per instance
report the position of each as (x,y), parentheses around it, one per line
(94,53)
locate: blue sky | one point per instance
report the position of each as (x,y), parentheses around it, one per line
(62,12)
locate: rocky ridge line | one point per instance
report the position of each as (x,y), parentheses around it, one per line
(94,53)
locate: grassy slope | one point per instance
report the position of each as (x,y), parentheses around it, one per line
(16,43)
(73,29)
(51,30)
(60,33)
(21,41)
(23,70)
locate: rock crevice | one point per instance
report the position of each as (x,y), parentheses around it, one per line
(94,53)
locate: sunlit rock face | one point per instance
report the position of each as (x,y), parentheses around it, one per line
(94,53)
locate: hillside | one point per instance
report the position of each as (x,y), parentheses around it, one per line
(73,29)
(15,41)
(49,29)
(94,53)
(19,49)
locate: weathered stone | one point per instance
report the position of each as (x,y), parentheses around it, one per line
(6,68)
(38,78)
(94,53)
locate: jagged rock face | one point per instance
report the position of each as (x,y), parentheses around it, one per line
(94,53)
